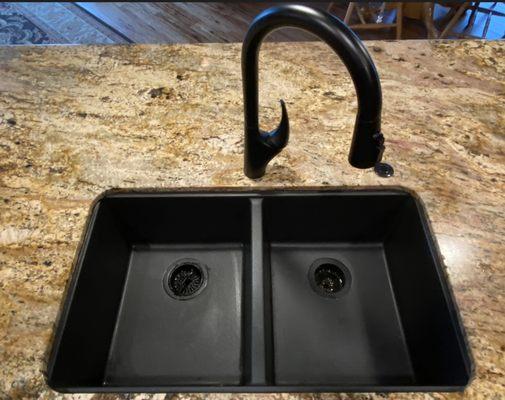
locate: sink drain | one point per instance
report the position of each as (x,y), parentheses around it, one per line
(185,279)
(329,277)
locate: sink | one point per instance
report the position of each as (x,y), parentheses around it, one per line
(268,291)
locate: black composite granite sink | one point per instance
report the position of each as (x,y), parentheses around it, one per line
(259,292)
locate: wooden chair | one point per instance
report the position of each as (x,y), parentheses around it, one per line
(353,6)
(455,17)
(458,10)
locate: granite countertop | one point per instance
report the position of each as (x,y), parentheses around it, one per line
(78,120)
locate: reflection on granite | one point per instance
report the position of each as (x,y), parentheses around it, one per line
(75,121)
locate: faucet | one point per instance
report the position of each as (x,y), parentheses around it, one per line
(261,147)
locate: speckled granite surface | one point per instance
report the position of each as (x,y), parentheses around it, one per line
(75,121)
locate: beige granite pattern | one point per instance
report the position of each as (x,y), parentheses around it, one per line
(77,120)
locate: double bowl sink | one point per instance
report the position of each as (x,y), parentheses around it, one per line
(259,292)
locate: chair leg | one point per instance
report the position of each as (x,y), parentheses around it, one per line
(471,20)
(462,9)
(488,20)
(360,15)
(399,20)
(348,13)
(428,20)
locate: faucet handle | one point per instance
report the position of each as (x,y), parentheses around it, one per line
(261,147)
(279,137)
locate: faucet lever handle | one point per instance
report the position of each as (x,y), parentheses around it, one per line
(279,137)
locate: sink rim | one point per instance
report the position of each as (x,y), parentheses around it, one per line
(260,192)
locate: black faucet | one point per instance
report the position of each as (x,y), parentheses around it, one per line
(260,147)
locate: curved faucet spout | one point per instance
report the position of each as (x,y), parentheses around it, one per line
(260,147)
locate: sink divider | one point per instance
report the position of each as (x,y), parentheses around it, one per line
(258,357)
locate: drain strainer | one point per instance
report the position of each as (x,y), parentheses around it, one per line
(329,277)
(185,279)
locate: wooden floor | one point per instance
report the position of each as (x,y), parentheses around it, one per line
(184,22)
(227,22)
(208,22)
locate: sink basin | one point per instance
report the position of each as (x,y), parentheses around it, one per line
(259,292)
